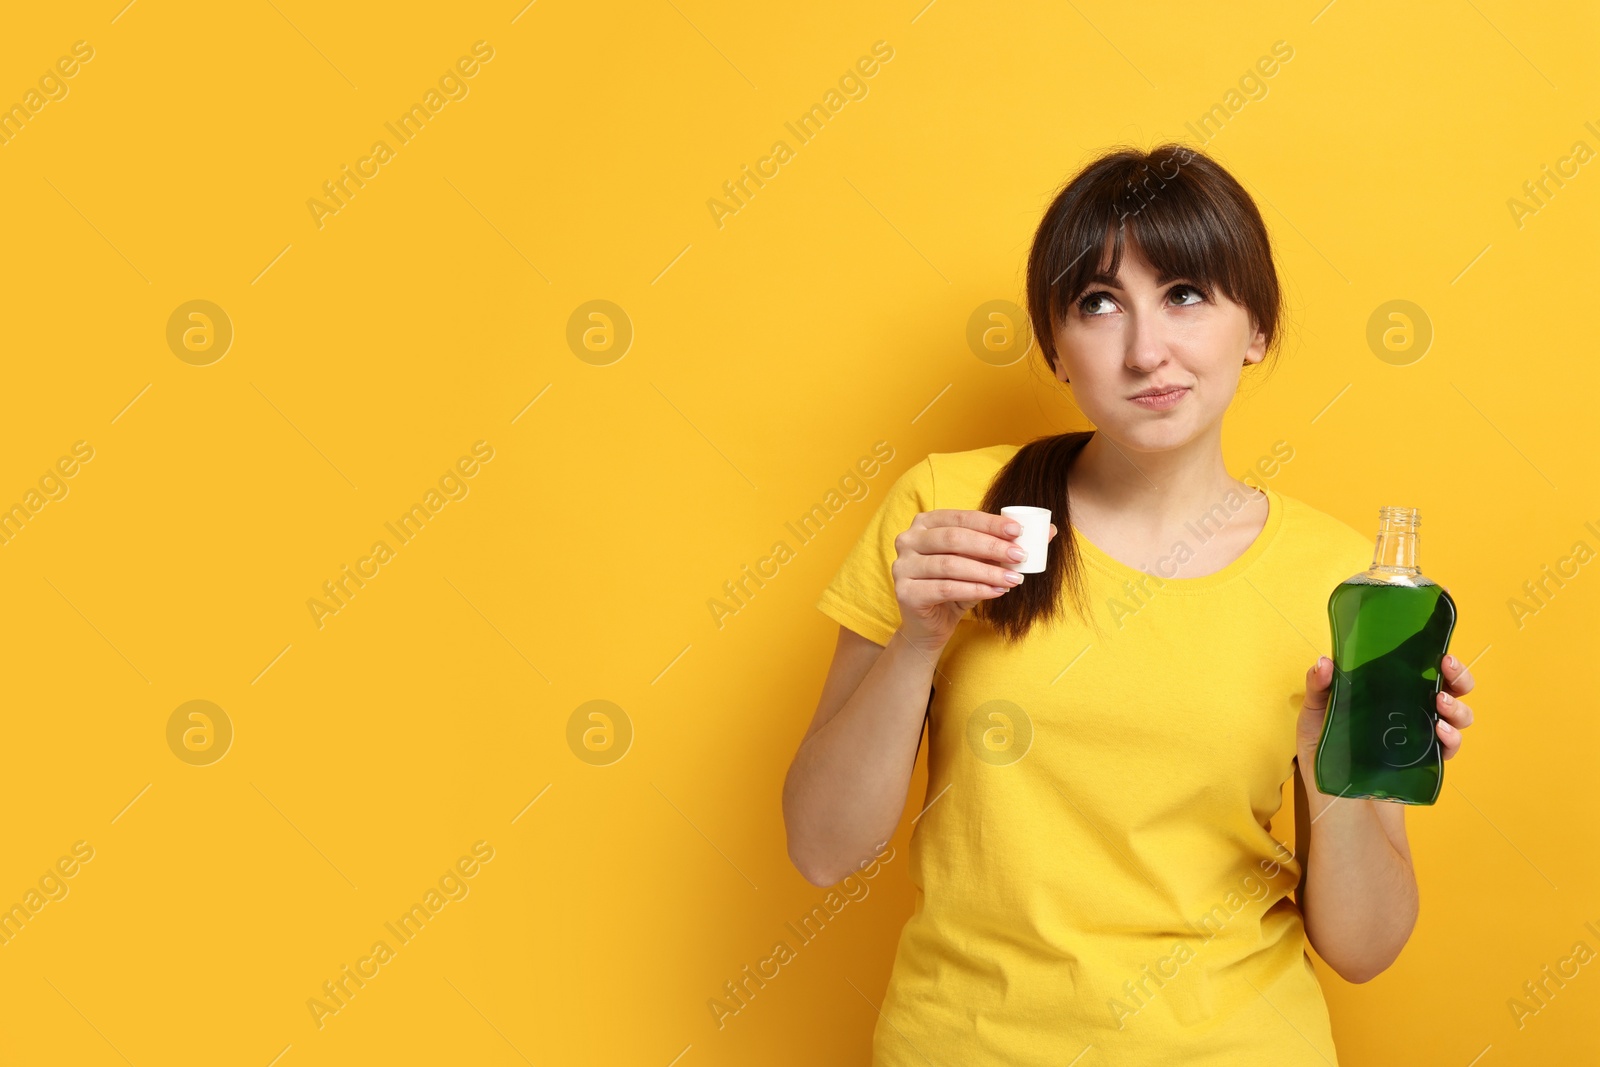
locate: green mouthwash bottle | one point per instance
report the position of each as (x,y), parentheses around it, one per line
(1391,628)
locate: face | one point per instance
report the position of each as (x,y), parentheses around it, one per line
(1140,334)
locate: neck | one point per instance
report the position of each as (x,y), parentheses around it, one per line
(1155,489)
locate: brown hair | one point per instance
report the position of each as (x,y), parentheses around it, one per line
(1188,217)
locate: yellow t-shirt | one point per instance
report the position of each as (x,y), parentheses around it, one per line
(1093,867)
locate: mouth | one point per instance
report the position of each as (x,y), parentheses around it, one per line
(1161,401)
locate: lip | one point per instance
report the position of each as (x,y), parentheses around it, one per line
(1160,399)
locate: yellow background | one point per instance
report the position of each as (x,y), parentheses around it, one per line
(768,354)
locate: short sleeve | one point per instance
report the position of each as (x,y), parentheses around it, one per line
(861,596)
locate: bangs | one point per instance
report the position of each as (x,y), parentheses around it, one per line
(1183,213)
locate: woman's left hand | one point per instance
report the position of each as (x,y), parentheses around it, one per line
(1454,716)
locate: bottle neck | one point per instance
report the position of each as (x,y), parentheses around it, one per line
(1396,551)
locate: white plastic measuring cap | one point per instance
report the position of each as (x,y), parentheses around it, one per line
(1035,536)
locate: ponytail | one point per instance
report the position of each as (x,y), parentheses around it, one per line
(1037,476)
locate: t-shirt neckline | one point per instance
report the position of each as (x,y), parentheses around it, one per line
(1096,557)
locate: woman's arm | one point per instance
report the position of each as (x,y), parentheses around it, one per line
(846,789)
(1358,894)
(1358,891)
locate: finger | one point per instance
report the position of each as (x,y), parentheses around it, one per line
(1456,713)
(1457,678)
(961,568)
(984,521)
(1053,531)
(1318,680)
(1449,739)
(961,540)
(936,591)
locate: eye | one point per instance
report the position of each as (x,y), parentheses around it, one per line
(1191,290)
(1088,302)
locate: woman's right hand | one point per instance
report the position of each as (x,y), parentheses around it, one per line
(947,561)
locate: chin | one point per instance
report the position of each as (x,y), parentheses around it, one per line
(1160,434)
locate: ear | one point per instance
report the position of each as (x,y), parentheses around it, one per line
(1258,348)
(1058,366)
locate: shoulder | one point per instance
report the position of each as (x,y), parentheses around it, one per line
(959,479)
(1313,538)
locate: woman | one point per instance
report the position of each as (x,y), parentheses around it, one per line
(1093,863)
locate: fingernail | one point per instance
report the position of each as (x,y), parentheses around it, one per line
(1013,577)
(1448,699)
(1450,661)
(1013,529)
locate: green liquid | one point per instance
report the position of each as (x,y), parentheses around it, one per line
(1379,740)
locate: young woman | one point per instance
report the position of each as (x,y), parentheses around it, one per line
(1095,875)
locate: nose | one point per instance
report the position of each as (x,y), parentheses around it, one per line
(1146,341)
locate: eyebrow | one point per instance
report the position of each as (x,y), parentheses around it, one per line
(1108,280)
